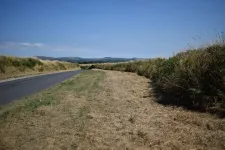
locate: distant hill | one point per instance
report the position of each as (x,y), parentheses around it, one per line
(45,58)
(87,60)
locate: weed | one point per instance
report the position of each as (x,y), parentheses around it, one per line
(46,101)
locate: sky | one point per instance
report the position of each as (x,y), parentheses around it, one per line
(107,28)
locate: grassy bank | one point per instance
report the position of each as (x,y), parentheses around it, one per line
(14,66)
(54,118)
(194,79)
(105,110)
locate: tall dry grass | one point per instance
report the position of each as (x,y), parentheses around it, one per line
(194,79)
(15,66)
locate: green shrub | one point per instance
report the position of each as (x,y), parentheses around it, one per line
(16,63)
(30,62)
(194,79)
(3,63)
(61,66)
(2,68)
(41,69)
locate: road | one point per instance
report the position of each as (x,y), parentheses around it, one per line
(16,89)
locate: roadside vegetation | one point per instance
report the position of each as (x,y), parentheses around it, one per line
(105,110)
(194,79)
(51,119)
(15,66)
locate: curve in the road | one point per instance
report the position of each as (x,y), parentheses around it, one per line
(17,89)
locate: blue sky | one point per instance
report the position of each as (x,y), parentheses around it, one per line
(101,28)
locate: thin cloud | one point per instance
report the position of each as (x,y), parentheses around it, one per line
(40,46)
(32,44)
(14,45)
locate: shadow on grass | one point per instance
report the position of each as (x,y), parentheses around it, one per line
(183,100)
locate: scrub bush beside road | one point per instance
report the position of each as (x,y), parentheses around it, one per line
(194,79)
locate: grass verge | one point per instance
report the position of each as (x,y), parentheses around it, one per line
(106,110)
(55,117)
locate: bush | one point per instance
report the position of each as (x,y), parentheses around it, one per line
(194,79)
(30,62)
(61,66)
(41,69)
(2,68)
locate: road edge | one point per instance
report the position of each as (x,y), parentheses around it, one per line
(35,75)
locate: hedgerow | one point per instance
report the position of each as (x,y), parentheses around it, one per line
(194,79)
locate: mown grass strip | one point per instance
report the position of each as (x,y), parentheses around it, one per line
(82,84)
(58,114)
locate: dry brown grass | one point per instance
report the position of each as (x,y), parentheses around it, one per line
(124,117)
(119,114)
(47,128)
(11,67)
(52,119)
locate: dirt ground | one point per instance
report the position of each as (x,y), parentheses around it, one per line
(120,114)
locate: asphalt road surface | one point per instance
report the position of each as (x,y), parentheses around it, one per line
(16,89)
